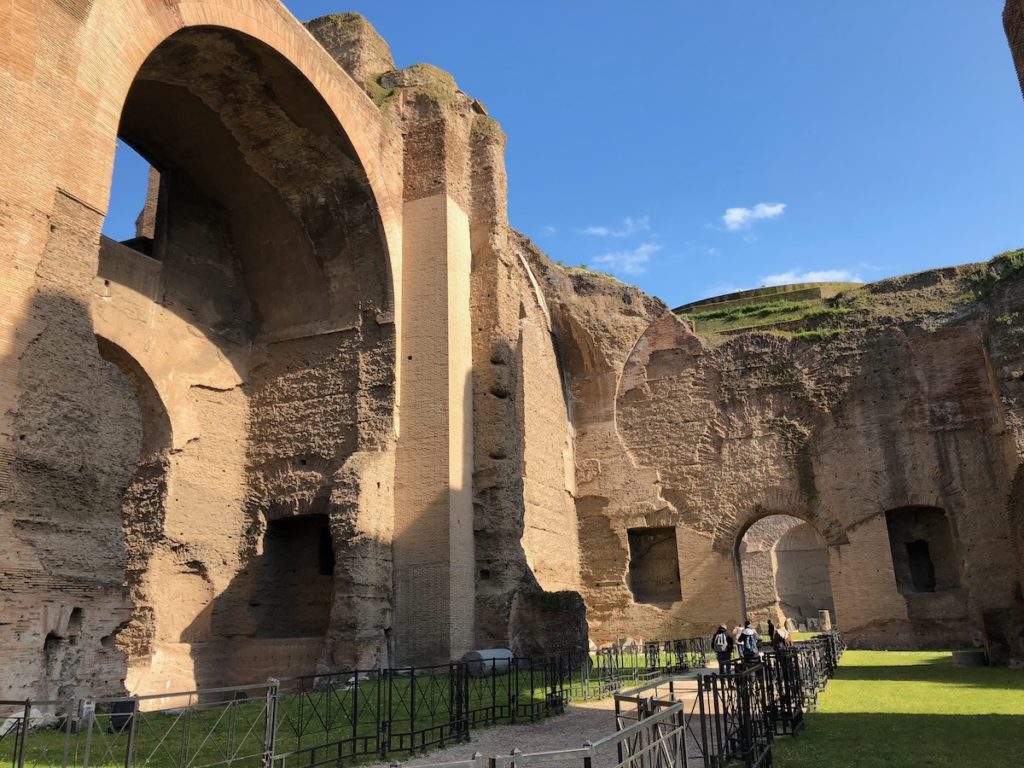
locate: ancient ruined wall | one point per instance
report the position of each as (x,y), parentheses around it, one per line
(550,538)
(836,433)
(596,321)
(913,401)
(69,449)
(147,397)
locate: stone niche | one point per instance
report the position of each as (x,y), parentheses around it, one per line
(654,565)
(293,583)
(923,557)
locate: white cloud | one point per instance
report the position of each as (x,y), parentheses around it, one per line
(630,226)
(631,262)
(813,276)
(549,230)
(744,218)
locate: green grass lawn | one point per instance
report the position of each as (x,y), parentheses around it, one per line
(218,733)
(894,709)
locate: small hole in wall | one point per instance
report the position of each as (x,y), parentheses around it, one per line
(500,392)
(378,483)
(409,358)
(485,574)
(53,227)
(302,462)
(21,437)
(498,453)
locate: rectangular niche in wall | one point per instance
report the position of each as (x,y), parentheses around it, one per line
(294,579)
(923,556)
(654,565)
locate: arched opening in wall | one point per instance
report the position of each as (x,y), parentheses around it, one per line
(143,425)
(654,566)
(266,209)
(923,556)
(784,573)
(265,242)
(293,580)
(134,216)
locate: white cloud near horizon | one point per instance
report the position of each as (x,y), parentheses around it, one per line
(629,262)
(548,231)
(812,276)
(743,218)
(630,226)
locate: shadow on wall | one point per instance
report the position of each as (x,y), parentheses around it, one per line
(75,441)
(512,608)
(272,618)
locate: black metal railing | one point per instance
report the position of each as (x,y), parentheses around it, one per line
(336,718)
(735,716)
(750,701)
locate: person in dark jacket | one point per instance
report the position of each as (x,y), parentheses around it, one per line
(722,644)
(748,642)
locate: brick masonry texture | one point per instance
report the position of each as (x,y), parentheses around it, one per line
(330,376)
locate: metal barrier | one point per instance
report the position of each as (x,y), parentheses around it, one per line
(331,719)
(655,741)
(610,669)
(786,697)
(312,721)
(749,702)
(735,717)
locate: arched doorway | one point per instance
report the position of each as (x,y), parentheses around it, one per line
(262,233)
(262,311)
(784,572)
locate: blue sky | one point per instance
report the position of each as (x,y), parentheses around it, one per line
(696,147)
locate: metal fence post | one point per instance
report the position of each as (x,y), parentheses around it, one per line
(23,742)
(70,707)
(384,706)
(130,746)
(270,726)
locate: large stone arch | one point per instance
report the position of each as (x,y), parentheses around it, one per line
(782,566)
(263,361)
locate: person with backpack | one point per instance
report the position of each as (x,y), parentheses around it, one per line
(722,644)
(748,642)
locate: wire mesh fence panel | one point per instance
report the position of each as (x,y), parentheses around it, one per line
(37,734)
(198,729)
(426,707)
(328,718)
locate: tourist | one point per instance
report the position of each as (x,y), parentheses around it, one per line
(771,631)
(722,644)
(780,638)
(748,642)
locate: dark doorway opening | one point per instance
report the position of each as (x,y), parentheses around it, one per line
(923,556)
(654,566)
(922,569)
(293,584)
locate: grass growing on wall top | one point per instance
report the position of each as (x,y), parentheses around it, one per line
(894,709)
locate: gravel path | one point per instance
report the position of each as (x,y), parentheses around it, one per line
(582,722)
